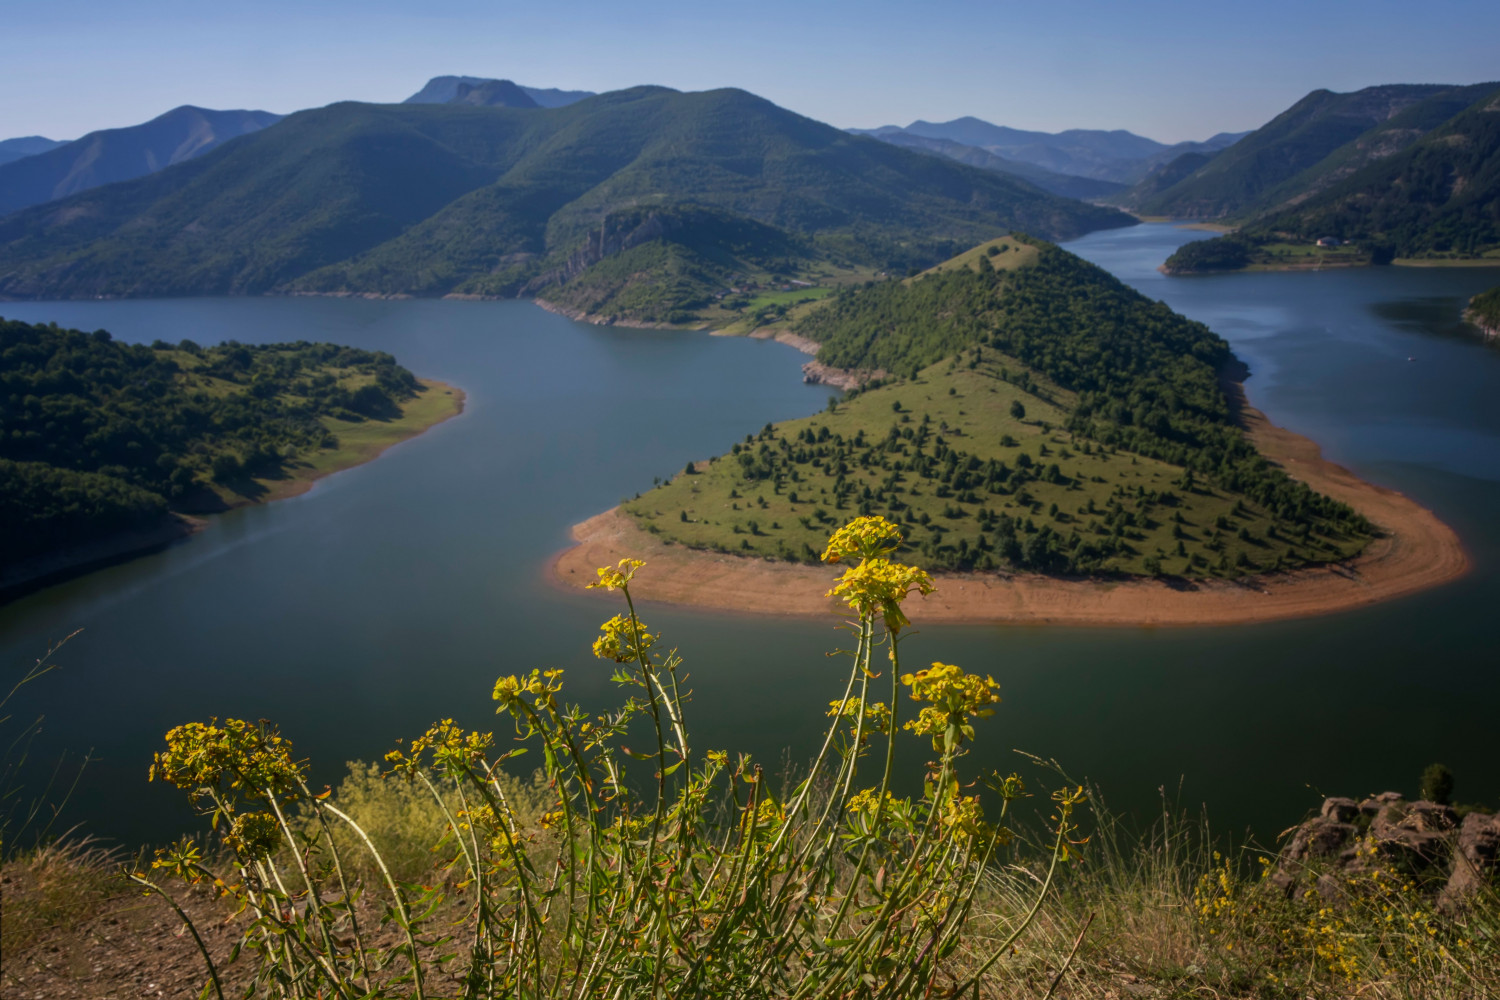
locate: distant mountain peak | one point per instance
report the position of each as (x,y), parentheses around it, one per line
(463,90)
(24,146)
(121,154)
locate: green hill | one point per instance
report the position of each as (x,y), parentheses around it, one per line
(1438,198)
(455,199)
(102,436)
(1042,416)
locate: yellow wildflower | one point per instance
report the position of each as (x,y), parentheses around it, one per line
(253,835)
(541,685)
(963,814)
(616,577)
(623,640)
(866,537)
(877,713)
(879,585)
(200,756)
(956,696)
(866,802)
(454,749)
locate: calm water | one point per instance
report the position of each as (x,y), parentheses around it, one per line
(392,594)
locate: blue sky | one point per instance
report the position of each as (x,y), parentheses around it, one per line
(1169,70)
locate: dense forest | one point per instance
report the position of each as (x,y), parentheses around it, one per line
(100,435)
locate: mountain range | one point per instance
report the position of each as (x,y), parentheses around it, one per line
(1116,156)
(637,203)
(1400,171)
(1315,143)
(121,154)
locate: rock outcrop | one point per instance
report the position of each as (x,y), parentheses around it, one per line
(1425,841)
(817,373)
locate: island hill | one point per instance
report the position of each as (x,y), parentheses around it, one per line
(1061,447)
(109,445)
(1405,174)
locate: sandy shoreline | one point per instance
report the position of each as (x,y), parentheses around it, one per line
(1417,552)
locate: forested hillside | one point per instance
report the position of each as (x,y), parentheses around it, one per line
(1319,140)
(457,199)
(1041,416)
(101,435)
(1439,198)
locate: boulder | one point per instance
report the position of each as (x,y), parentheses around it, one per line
(1420,838)
(1475,855)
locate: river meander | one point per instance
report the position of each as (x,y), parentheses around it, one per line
(392,594)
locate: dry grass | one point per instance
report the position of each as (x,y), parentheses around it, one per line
(54,886)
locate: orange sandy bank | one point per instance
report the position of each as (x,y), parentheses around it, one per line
(1415,552)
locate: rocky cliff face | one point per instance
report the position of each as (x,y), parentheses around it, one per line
(1453,857)
(612,236)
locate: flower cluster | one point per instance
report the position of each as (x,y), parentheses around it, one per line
(956,696)
(623,639)
(877,713)
(616,577)
(865,537)
(201,755)
(253,835)
(454,749)
(879,586)
(868,801)
(963,815)
(540,684)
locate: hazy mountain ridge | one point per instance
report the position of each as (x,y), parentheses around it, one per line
(1067,185)
(24,146)
(122,154)
(439,199)
(1117,156)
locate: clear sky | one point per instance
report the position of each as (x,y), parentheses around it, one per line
(1167,69)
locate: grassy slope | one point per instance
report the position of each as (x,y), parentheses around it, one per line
(721,503)
(361,442)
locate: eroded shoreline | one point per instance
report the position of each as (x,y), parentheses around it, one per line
(1416,552)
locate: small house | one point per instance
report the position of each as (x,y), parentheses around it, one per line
(1330,241)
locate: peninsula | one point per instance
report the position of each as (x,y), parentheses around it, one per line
(1056,447)
(115,449)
